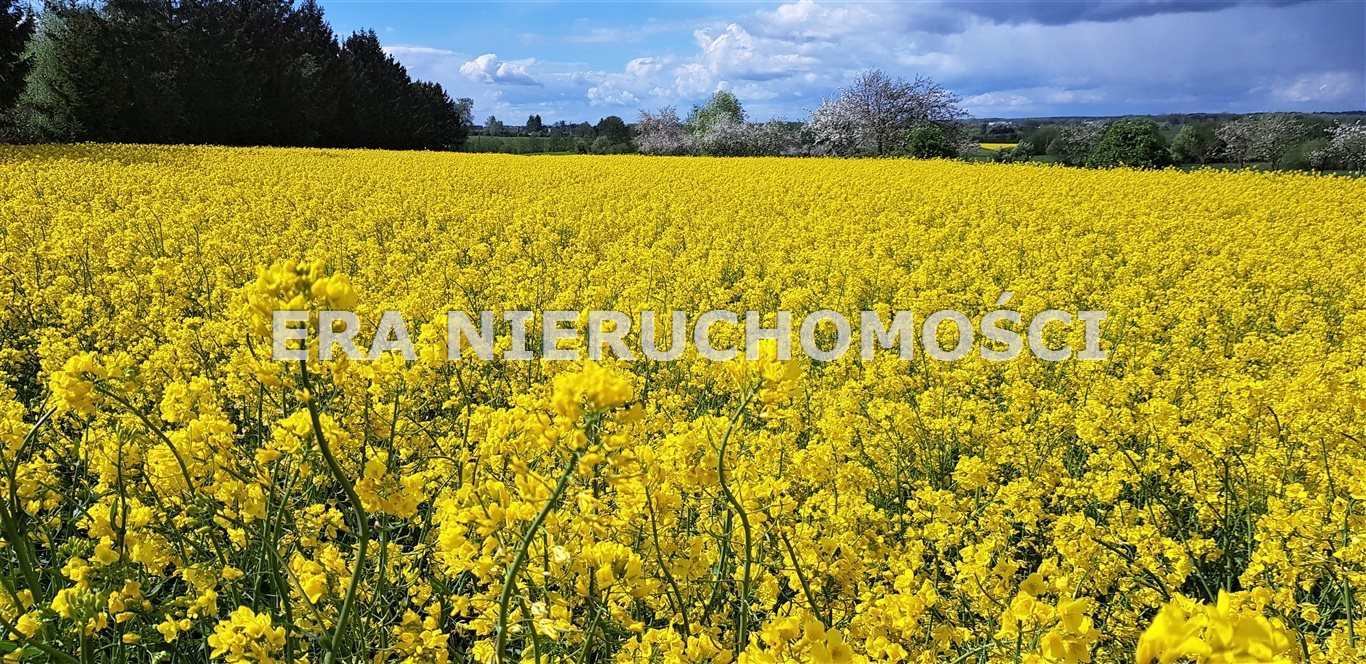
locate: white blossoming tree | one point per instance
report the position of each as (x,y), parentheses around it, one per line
(663,133)
(1346,147)
(1260,138)
(1075,142)
(872,115)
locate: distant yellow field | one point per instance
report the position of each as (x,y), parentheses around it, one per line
(1202,492)
(998,146)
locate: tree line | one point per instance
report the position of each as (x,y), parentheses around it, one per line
(225,72)
(611,135)
(1279,140)
(877,115)
(882,116)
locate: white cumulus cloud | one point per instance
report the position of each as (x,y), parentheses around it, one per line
(488,69)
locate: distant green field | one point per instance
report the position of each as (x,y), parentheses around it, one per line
(521,144)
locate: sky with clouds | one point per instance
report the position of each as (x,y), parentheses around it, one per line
(1005,58)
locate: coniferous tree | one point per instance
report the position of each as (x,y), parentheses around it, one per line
(142,55)
(69,94)
(439,126)
(318,70)
(377,89)
(232,72)
(16,28)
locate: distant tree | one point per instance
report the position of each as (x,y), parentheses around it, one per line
(378,95)
(1136,142)
(927,140)
(493,126)
(465,107)
(1281,133)
(1349,143)
(1021,152)
(663,133)
(605,145)
(1260,138)
(726,137)
(1036,141)
(1010,155)
(1307,154)
(16,28)
(252,72)
(836,128)
(1241,141)
(614,130)
(870,115)
(315,74)
(722,107)
(774,138)
(1195,144)
(1076,141)
(534,126)
(1345,148)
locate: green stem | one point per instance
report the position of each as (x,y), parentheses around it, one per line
(362,518)
(47,649)
(741,632)
(12,516)
(175,452)
(663,568)
(518,559)
(588,637)
(1347,581)
(806,587)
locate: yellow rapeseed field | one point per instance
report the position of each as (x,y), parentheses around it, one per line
(171,494)
(998,146)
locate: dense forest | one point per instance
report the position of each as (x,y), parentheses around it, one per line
(234,72)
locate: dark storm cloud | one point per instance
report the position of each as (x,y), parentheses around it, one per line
(1063,12)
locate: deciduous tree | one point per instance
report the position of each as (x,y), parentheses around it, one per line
(927,140)
(1260,138)
(1076,141)
(723,106)
(871,115)
(663,133)
(1135,142)
(1195,144)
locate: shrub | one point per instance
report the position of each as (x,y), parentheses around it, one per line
(1303,156)
(1195,144)
(1137,143)
(927,140)
(1075,143)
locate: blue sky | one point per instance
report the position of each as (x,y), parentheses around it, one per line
(1006,58)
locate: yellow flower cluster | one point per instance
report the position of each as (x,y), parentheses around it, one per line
(168,490)
(1216,634)
(246,636)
